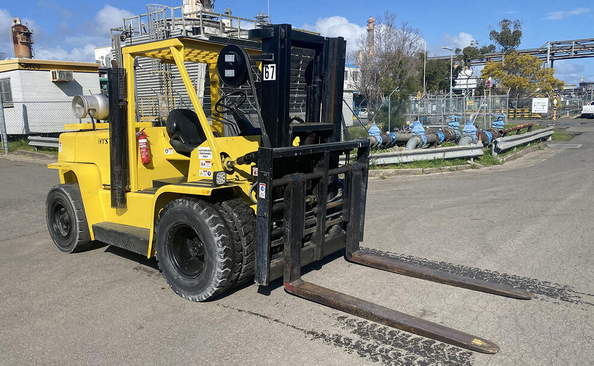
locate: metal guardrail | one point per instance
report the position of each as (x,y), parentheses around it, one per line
(38,141)
(407,156)
(509,142)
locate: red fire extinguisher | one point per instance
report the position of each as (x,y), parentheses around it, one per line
(143,146)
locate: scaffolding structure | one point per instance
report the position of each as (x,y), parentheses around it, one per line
(549,52)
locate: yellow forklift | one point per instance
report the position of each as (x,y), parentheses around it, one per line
(243,190)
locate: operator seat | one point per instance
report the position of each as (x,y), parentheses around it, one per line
(246,127)
(185,131)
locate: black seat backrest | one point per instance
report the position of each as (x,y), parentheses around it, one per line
(184,130)
(246,128)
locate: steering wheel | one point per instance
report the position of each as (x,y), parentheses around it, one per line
(221,107)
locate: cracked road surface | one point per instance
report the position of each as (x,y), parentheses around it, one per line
(528,223)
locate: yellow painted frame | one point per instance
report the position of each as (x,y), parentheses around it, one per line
(176,51)
(178,56)
(79,160)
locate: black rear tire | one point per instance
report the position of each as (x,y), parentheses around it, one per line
(66,219)
(194,249)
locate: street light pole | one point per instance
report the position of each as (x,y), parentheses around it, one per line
(424,70)
(390,107)
(451,72)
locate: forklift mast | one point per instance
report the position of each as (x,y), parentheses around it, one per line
(304,189)
(324,78)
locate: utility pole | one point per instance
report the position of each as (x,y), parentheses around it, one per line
(390,107)
(451,72)
(425,70)
(3,127)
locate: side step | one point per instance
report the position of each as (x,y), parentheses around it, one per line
(132,238)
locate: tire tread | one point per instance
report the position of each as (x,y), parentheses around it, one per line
(222,279)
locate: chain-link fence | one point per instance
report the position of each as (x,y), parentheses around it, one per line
(434,111)
(47,117)
(38,116)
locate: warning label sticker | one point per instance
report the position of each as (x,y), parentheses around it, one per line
(168,151)
(262,190)
(204,153)
(205,164)
(205,173)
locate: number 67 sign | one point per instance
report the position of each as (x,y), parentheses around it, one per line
(269,72)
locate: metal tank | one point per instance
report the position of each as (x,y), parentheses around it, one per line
(21,39)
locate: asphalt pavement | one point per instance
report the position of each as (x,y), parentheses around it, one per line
(527,223)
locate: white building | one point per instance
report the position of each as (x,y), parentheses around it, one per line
(103,56)
(351,75)
(37,94)
(467,80)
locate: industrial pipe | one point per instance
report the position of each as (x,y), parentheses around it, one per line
(468,134)
(414,142)
(374,141)
(517,128)
(487,136)
(433,138)
(418,139)
(389,139)
(440,136)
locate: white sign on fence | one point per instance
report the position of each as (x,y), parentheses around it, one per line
(540,105)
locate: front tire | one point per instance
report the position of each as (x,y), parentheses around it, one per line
(194,249)
(241,221)
(66,219)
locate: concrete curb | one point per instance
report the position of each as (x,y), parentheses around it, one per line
(30,157)
(35,154)
(523,152)
(418,171)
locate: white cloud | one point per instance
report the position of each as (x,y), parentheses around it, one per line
(557,15)
(110,17)
(85,54)
(5,19)
(336,26)
(5,23)
(67,44)
(570,71)
(460,41)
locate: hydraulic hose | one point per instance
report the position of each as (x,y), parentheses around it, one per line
(251,192)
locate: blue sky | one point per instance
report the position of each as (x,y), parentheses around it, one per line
(70,30)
